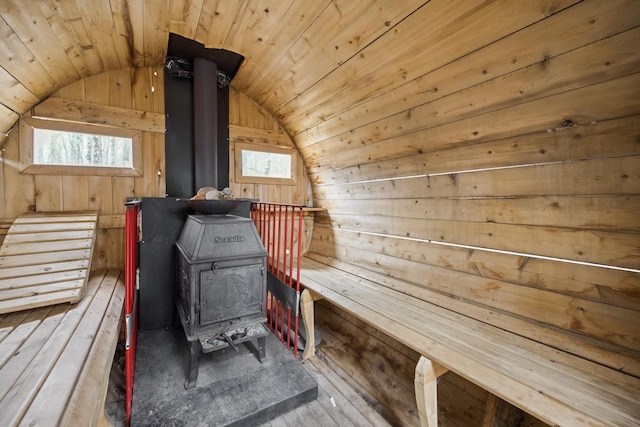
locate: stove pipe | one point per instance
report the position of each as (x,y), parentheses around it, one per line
(210,126)
(197,115)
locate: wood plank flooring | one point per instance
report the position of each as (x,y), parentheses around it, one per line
(338,404)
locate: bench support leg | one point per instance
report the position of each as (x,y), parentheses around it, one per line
(306,302)
(426,383)
(194,363)
(489,411)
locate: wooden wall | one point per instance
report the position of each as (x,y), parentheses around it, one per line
(486,177)
(130,98)
(251,123)
(135,98)
(479,150)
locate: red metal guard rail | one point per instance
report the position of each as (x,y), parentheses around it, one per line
(280,227)
(130,303)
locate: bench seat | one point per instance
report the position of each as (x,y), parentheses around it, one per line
(55,361)
(555,386)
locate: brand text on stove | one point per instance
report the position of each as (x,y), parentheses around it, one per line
(229,239)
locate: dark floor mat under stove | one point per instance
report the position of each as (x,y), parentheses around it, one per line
(232,389)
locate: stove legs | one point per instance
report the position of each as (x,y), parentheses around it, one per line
(194,363)
(221,341)
(262,352)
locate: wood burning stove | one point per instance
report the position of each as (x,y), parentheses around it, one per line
(221,285)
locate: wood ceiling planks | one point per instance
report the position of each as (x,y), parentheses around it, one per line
(184,16)
(111,45)
(18,61)
(568,30)
(273,45)
(299,54)
(59,41)
(29,24)
(156,32)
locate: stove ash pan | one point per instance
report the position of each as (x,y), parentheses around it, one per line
(222,276)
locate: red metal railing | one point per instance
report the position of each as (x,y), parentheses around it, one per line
(280,227)
(130,300)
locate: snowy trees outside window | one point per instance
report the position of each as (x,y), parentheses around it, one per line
(55,147)
(265,164)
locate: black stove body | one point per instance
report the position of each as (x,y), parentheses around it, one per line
(222,282)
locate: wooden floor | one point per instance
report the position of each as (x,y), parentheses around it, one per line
(338,404)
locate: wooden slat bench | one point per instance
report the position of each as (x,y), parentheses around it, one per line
(45,259)
(557,387)
(55,361)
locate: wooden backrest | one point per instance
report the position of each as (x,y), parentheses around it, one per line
(582,309)
(45,259)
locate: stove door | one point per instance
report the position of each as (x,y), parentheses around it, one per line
(231,293)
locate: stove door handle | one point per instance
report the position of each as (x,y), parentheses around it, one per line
(215,267)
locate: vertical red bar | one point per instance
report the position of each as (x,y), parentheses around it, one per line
(285,258)
(299,258)
(270,231)
(278,223)
(271,235)
(271,227)
(256,215)
(299,253)
(264,228)
(131,253)
(284,224)
(292,246)
(262,223)
(264,233)
(279,250)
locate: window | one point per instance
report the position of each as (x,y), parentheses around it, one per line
(265,164)
(65,148)
(56,147)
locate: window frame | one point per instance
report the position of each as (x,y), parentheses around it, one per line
(27,166)
(245,179)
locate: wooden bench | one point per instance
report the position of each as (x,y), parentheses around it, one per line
(55,361)
(555,386)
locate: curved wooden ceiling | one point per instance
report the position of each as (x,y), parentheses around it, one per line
(309,62)
(299,54)
(290,46)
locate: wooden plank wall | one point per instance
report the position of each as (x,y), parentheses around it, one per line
(251,123)
(468,147)
(128,92)
(507,156)
(128,89)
